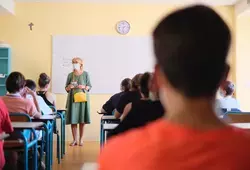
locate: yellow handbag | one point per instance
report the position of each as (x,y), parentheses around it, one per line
(80,97)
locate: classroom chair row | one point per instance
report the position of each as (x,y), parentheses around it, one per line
(22,139)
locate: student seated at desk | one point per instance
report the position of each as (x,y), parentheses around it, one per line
(139,113)
(131,96)
(111,104)
(227,102)
(5,126)
(15,101)
(45,109)
(191,47)
(44,85)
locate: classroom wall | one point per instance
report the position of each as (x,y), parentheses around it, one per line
(243,61)
(32,49)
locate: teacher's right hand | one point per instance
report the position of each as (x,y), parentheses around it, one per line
(69,87)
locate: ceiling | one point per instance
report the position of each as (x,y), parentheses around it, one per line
(212,2)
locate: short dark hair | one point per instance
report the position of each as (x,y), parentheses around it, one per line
(191,46)
(136,81)
(126,84)
(144,84)
(30,84)
(44,79)
(15,82)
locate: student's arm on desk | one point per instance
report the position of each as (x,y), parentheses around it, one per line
(37,115)
(32,111)
(117,114)
(103,111)
(127,109)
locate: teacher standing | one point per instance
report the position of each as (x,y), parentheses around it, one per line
(77,112)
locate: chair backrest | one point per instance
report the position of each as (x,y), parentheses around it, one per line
(20,117)
(235,110)
(225,110)
(236,117)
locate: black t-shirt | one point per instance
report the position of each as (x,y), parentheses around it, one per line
(142,112)
(111,104)
(128,97)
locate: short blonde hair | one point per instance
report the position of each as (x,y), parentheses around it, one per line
(78,60)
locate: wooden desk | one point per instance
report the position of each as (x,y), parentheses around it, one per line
(44,118)
(108,118)
(26,125)
(241,125)
(53,113)
(109,126)
(61,110)
(3,136)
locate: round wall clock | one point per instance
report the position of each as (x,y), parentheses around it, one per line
(123,27)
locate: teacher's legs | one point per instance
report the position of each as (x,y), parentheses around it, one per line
(74,134)
(81,129)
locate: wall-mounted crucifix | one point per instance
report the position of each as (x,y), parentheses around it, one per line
(31,26)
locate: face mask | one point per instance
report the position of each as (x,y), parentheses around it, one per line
(76,66)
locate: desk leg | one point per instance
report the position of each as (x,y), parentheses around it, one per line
(51,144)
(47,161)
(105,137)
(58,155)
(64,124)
(61,116)
(35,156)
(62,134)
(26,160)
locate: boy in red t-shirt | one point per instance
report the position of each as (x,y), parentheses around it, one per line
(5,126)
(191,47)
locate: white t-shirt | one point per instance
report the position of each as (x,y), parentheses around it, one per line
(43,106)
(228,103)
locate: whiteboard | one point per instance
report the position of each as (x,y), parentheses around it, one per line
(107,59)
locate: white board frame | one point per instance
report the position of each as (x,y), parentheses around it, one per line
(126,55)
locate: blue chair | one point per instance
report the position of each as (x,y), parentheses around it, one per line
(225,111)
(235,110)
(29,141)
